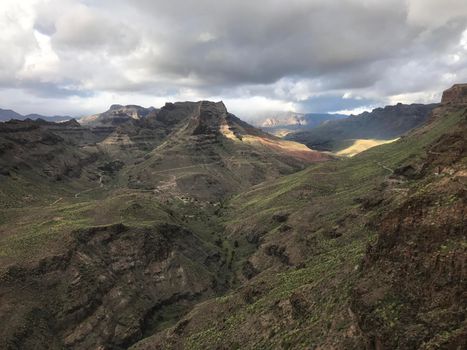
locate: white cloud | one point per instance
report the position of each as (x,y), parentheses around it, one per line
(463,41)
(206,37)
(356,111)
(17,39)
(41,62)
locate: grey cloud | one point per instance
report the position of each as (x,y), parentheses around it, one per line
(260,44)
(349,44)
(304,51)
(76,26)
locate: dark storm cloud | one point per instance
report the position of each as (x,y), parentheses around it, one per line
(307,52)
(260,42)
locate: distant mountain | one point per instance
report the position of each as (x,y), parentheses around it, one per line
(117,114)
(381,124)
(198,147)
(55,118)
(8,114)
(283,123)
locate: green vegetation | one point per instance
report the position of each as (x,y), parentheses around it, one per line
(274,265)
(328,238)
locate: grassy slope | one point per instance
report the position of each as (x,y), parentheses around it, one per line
(360,145)
(305,303)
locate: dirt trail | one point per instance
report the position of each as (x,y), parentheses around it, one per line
(165,185)
(230,159)
(385,167)
(101,185)
(58,200)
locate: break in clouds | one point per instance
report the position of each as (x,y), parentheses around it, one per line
(77,57)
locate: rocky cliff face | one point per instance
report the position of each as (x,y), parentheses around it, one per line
(455,95)
(117,114)
(285,120)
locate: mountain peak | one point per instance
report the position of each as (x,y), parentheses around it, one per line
(211,115)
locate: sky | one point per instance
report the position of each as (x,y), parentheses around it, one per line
(77,57)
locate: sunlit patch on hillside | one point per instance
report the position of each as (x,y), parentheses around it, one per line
(280,132)
(290,148)
(117,138)
(360,145)
(225,130)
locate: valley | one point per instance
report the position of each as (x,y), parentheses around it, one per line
(186,228)
(357,133)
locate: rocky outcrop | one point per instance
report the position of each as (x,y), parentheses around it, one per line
(457,94)
(117,115)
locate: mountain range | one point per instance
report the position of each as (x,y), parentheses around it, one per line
(283,123)
(186,228)
(8,114)
(378,126)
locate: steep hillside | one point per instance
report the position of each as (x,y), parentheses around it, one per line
(412,289)
(366,253)
(36,156)
(381,124)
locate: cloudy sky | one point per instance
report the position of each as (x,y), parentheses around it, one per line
(77,57)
